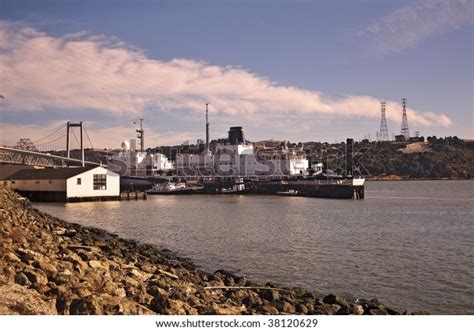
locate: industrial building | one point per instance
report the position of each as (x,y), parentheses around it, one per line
(67,184)
(238,158)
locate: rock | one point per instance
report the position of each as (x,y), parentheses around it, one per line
(376,311)
(99,264)
(344,310)
(63,302)
(268,309)
(60,231)
(333,299)
(301,309)
(326,309)
(21,279)
(392,311)
(160,304)
(36,276)
(120,292)
(70,233)
(85,306)
(252,300)
(17,300)
(356,309)
(48,268)
(284,307)
(11,257)
(226,309)
(270,294)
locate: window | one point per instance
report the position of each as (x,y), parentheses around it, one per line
(13,182)
(50,182)
(100,182)
(37,182)
(79,181)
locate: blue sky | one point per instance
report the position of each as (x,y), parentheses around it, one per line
(297,70)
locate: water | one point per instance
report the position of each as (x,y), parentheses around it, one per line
(411,244)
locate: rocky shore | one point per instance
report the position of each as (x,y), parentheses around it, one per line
(49,266)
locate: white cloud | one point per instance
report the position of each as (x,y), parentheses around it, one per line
(409,25)
(80,72)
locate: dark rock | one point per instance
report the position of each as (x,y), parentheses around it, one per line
(392,311)
(333,299)
(270,294)
(284,307)
(36,276)
(21,279)
(160,303)
(301,309)
(252,300)
(344,310)
(70,233)
(326,309)
(89,305)
(63,302)
(376,311)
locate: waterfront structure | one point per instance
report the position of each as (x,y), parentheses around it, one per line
(132,160)
(67,184)
(239,158)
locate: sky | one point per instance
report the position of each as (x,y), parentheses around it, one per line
(295,70)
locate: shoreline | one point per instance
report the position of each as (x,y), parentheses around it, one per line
(403,179)
(51,266)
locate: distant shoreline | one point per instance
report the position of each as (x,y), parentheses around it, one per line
(403,179)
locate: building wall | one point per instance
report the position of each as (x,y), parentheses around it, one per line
(48,185)
(86,188)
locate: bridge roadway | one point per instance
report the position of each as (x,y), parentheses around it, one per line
(19,156)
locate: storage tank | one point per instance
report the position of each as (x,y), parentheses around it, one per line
(236,135)
(126,145)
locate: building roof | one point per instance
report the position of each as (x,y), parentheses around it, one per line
(51,173)
(10,169)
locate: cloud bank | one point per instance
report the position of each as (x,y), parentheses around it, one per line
(409,25)
(91,73)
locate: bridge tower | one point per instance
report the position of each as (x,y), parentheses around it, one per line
(70,125)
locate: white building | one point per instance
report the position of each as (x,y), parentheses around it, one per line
(67,184)
(240,159)
(131,162)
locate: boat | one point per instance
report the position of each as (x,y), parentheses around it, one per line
(289,193)
(237,188)
(172,188)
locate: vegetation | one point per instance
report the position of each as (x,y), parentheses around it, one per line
(447,157)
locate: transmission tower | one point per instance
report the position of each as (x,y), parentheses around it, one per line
(383,133)
(405,131)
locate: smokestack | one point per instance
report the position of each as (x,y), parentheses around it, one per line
(236,135)
(207,128)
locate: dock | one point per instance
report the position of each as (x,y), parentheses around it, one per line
(137,195)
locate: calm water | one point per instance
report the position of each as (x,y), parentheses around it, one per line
(410,244)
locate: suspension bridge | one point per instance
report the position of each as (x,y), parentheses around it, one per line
(52,150)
